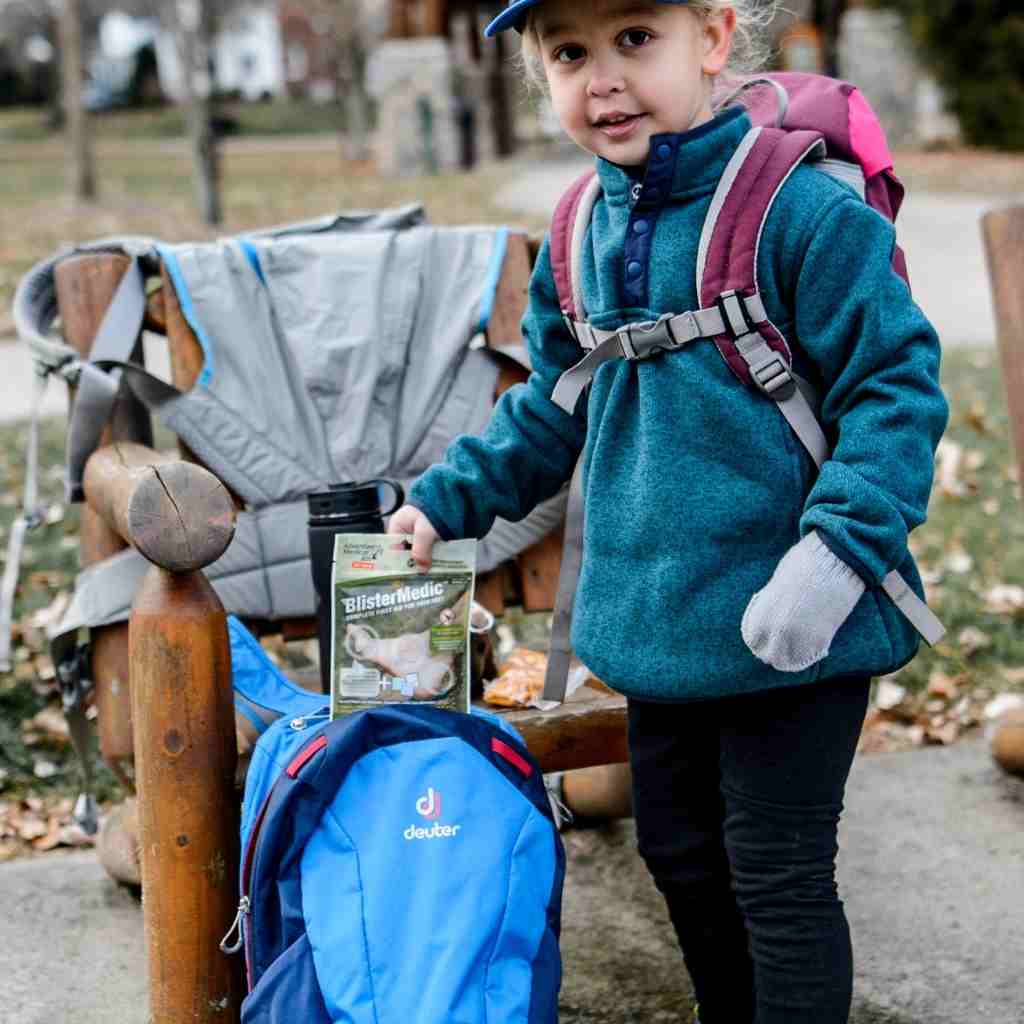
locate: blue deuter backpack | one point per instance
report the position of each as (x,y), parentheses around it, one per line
(400,864)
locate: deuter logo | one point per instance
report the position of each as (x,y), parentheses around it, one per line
(429,807)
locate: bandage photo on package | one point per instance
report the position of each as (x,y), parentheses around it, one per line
(400,635)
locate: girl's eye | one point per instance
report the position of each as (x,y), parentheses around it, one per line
(568,54)
(634,37)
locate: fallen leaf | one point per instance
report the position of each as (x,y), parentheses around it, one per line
(43,769)
(51,724)
(889,695)
(31,827)
(974,459)
(915,734)
(948,459)
(944,686)
(51,840)
(976,417)
(1001,704)
(944,734)
(959,561)
(1004,599)
(971,639)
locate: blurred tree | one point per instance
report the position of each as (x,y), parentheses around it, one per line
(76,119)
(827,15)
(193,23)
(975,48)
(350,39)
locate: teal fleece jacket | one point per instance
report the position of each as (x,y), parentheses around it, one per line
(695,486)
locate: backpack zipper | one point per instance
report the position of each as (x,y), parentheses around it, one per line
(245,902)
(230,950)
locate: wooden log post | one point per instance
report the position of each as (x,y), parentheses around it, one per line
(1003,231)
(85,286)
(182,519)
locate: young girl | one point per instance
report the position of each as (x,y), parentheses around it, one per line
(730,590)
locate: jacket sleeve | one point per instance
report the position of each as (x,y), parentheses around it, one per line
(529,447)
(878,357)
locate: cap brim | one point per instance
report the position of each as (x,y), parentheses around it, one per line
(512,17)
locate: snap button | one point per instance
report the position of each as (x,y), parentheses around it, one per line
(640,227)
(633,268)
(664,151)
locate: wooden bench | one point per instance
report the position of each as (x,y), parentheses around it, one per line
(176,733)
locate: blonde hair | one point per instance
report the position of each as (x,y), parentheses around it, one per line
(750,48)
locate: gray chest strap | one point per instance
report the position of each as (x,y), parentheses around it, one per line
(634,341)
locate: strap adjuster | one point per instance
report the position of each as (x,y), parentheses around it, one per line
(772,377)
(647,338)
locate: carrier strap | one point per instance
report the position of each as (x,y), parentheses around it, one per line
(108,369)
(570,211)
(556,675)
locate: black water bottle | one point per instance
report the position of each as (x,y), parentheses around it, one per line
(343,508)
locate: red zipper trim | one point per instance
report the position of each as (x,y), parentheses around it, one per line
(510,755)
(292,770)
(300,759)
(250,851)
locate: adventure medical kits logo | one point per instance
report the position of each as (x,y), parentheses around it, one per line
(429,807)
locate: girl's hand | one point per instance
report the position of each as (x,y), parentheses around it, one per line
(791,622)
(409,519)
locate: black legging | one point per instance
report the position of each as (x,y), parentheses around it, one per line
(737,805)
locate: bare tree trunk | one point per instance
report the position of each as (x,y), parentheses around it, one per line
(80,156)
(353,86)
(195,23)
(350,78)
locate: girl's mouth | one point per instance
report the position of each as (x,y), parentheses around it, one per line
(619,127)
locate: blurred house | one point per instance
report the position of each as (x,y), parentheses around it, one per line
(263,49)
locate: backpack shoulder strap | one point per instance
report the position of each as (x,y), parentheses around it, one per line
(568,226)
(751,345)
(731,236)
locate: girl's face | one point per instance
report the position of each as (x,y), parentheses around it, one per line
(620,71)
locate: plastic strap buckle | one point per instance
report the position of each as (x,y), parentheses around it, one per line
(647,338)
(74,675)
(773,378)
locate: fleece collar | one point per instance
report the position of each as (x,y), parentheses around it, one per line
(695,159)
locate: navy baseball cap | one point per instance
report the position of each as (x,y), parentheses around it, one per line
(514,16)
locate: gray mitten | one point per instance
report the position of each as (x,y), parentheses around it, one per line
(789,624)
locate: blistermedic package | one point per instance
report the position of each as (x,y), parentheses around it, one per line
(400,635)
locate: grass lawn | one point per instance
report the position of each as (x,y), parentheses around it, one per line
(145,188)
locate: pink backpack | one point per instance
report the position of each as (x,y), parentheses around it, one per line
(796,117)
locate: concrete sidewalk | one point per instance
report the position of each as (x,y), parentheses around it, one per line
(931,869)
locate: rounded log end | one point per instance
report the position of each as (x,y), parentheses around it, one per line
(181,517)
(1007,741)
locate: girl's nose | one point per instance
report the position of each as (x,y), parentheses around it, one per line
(604,80)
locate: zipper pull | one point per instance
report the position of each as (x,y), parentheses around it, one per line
(635,190)
(243,908)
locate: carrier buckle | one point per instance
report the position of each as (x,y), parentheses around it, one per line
(646,338)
